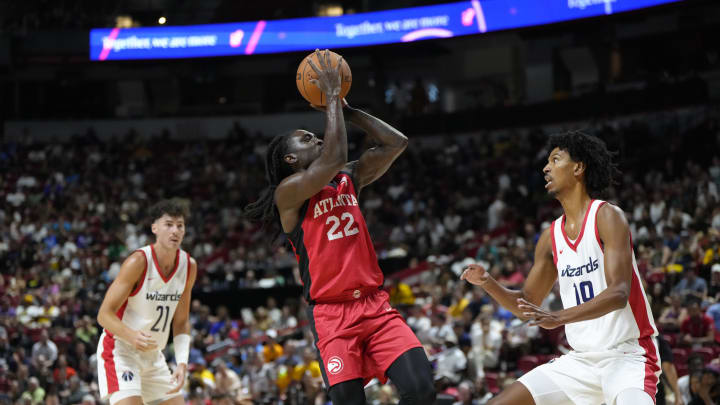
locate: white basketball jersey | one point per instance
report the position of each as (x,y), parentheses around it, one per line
(581,274)
(151,306)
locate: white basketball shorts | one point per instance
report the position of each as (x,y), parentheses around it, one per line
(124,372)
(593,378)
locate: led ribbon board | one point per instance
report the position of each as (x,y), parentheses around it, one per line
(382,27)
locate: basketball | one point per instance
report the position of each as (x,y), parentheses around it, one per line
(305,73)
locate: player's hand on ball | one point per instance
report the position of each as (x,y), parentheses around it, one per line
(178,378)
(475,274)
(329,79)
(143,342)
(322,108)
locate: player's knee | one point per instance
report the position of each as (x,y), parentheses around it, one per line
(347,398)
(422,394)
(349,392)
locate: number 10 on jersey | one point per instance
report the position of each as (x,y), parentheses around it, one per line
(586,291)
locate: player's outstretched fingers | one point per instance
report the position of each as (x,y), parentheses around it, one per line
(178,378)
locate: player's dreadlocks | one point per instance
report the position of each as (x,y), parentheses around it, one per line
(600,170)
(276,169)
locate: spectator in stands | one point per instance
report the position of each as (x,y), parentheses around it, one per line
(669,375)
(703,390)
(714,287)
(691,285)
(698,329)
(713,312)
(451,362)
(673,315)
(271,349)
(35,393)
(44,352)
(228,384)
(486,344)
(695,364)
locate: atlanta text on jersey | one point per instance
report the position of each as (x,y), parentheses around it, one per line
(328,204)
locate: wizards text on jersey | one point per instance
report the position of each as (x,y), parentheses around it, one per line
(591,266)
(156,296)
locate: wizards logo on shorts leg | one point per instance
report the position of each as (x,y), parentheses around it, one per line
(334,365)
(127,375)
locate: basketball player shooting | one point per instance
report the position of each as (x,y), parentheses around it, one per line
(607,318)
(313,196)
(150,294)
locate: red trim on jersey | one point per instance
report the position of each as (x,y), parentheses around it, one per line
(142,279)
(552,238)
(187,276)
(109,358)
(297,257)
(109,361)
(639,308)
(121,311)
(157,266)
(597,233)
(572,245)
(651,365)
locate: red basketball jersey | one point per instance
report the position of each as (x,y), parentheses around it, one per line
(332,244)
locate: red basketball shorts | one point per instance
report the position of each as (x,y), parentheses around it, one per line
(359,338)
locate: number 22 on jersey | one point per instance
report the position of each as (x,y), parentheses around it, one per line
(334,223)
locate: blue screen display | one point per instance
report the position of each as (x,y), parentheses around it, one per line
(383,27)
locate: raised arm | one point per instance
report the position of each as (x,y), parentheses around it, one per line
(541,278)
(374,162)
(131,273)
(615,236)
(292,192)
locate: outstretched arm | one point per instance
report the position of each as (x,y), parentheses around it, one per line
(390,143)
(540,280)
(615,236)
(294,190)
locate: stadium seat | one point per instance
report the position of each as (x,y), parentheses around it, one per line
(680,355)
(681,369)
(707,353)
(670,338)
(491,379)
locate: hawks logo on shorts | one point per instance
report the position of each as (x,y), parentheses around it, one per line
(334,365)
(127,375)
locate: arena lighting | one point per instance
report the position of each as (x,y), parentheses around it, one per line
(123,21)
(162,20)
(363,29)
(330,10)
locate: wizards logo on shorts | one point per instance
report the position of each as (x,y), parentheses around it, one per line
(334,365)
(127,375)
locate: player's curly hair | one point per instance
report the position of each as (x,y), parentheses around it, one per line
(276,169)
(174,207)
(600,170)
